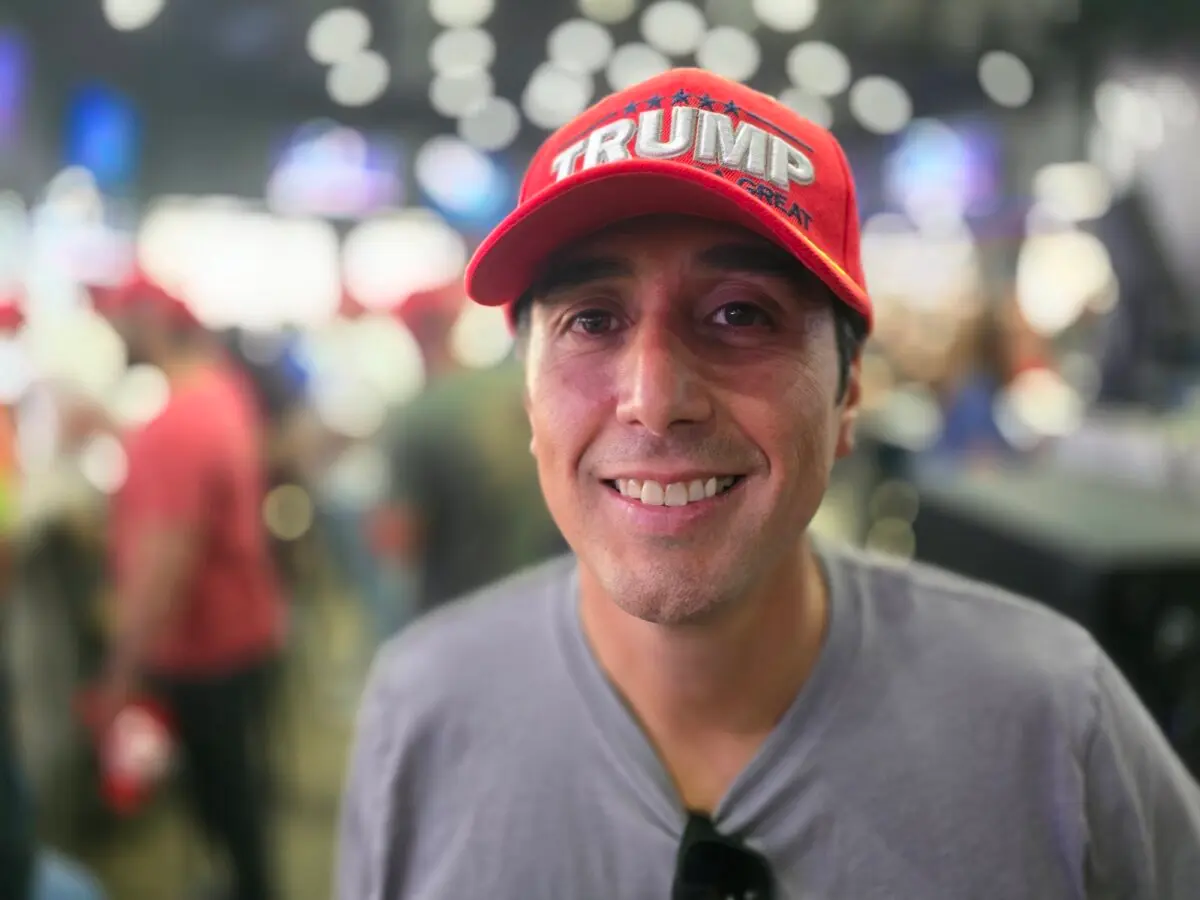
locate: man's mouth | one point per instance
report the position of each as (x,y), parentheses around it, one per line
(680,493)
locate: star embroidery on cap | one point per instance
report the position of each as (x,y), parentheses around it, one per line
(630,109)
(654,102)
(681,97)
(732,108)
(706,102)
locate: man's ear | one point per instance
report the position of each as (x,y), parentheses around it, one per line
(848,409)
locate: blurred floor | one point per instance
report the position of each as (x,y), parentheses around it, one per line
(159,857)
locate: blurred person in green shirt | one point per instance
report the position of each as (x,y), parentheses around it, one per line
(465,507)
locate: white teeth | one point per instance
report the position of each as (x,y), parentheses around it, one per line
(677,495)
(652,493)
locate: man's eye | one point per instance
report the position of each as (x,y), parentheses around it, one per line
(742,315)
(592,321)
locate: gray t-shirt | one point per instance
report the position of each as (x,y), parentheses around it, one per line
(953,742)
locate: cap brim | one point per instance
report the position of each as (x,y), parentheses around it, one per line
(510,258)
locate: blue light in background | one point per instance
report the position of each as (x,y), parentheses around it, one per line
(14,79)
(471,189)
(102,135)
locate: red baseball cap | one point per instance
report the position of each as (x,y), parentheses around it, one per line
(685,142)
(140,290)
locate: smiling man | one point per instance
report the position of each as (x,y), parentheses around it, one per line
(700,701)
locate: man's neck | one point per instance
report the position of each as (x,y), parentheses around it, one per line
(736,675)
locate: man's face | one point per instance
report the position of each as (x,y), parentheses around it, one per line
(667,357)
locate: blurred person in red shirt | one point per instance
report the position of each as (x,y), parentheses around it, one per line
(198,613)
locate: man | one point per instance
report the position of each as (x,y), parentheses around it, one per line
(199,616)
(464,506)
(702,702)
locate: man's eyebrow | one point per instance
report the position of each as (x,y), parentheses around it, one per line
(752,259)
(570,273)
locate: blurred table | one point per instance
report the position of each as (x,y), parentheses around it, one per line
(1122,560)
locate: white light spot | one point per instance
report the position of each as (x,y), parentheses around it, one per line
(492,126)
(358,477)
(1130,115)
(387,259)
(786,15)
(880,104)
(78,347)
(730,53)
(338,34)
(288,512)
(634,63)
(131,15)
(481,337)
(673,26)
(812,107)
(819,68)
(1073,192)
(458,95)
(461,13)
(608,12)
(554,96)
(103,463)
(462,51)
(1005,78)
(140,395)
(580,45)
(1058,276)
(359,80)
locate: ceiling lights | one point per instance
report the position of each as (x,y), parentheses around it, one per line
(673,26)
(1005,78)
(580,45)
(632,63)
(786,15)
(554,96)
(880,104)
(810,106)
(338,34)
(453,96)
(819,68)
(462,51)
(461,13)
(360,80)
(608,12)
(492,125)
(729,52)
(131,15)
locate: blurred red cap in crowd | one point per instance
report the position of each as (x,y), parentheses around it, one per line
(140,290)
(428,313)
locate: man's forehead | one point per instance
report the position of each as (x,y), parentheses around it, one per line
(644,245)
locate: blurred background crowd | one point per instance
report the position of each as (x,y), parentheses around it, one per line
(300,183)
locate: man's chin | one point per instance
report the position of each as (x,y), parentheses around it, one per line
(671,598)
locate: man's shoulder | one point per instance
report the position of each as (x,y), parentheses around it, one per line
(983,635)
(503,627)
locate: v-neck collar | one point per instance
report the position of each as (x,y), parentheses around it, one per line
(792,738)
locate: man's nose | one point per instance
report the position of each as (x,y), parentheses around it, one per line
(660,382)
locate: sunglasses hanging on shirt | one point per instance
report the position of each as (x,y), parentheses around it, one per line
(713,866)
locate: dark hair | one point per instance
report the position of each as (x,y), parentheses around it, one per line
(850,327)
